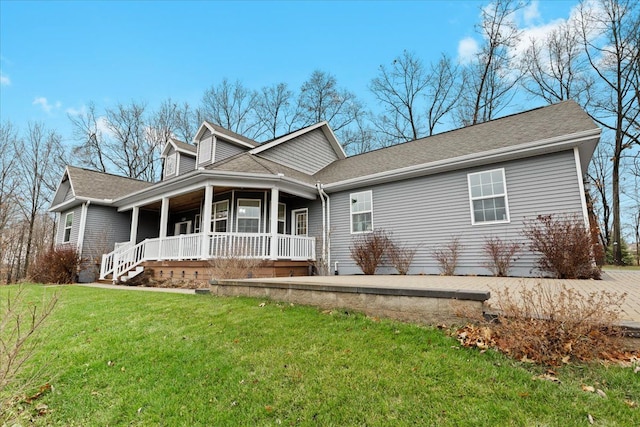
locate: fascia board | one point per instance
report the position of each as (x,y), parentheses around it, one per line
(530,149)
(79,200)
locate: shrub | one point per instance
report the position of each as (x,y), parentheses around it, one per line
(368,249)
(551,327)
(20,322)
(57,265)
(501,255)
(401,256)
(233,267)
(447,256)
(564,245)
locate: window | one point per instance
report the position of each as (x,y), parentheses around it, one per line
(361,212)
(68,223)
(170,165)
(220,217)
(282,222)
(248,220)
(488,197)
(196,224)
(300,222)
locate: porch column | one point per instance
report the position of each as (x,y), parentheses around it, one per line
(205,228)
(273,223)
(134,225)
(164,218)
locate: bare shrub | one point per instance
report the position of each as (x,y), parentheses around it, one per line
(57,265)
(550,326)
(368,249)
(233,266)
(447,256)
(401,256)
(501,255)
(564,244)
(20,323)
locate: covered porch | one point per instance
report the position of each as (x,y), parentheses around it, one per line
(265,218)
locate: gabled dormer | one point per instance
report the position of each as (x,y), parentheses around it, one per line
(216,143)
(178,157)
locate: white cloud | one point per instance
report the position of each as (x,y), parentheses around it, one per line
(531,13)
(44,104)
(76,111)
(467,49)
(4,80)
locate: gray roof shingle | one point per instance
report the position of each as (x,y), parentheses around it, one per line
(534,125)
(250,163)
(100,185)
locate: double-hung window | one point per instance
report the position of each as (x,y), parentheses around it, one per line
(68,224)
(361,212)
(248,220)
(220,217)
(488,197)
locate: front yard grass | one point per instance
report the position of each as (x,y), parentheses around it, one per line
(146,358)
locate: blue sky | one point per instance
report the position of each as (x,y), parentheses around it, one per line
(55,56)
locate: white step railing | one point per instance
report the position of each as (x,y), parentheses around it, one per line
(218,245)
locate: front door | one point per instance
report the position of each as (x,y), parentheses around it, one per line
(183,227)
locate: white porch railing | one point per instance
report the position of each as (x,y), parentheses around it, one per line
(219,245)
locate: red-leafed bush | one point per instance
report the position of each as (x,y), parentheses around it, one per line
(58,265)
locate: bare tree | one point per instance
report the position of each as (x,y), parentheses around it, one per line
(232,106)
(186,123)
(8,187)
(275,110)
(321,99)
(124,140)
(398,89)
(555,69)
(38,165)
(599,176)
(490,78)
(609,33)
(443,91)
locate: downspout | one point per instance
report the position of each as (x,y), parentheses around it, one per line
(324,225)
(327,231)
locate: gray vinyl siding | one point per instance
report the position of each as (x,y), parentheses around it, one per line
(186,163)
(75,226)
(104,227)
(225,149)
(429,212)
(307,153)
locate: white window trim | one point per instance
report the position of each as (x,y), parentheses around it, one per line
(197,223)
(70,228)
(259,218)
(213,215)
(351,212)
(506,198)
(294,224)
(176,227)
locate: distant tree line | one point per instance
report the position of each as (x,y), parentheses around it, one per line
(593,58)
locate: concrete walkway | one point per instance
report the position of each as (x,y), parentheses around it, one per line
(614,281)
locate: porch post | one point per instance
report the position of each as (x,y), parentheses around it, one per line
(205,228)
(273,223)
(134,225)
(164,218)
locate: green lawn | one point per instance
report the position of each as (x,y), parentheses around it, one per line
(143,358)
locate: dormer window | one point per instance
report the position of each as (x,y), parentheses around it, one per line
(170,165)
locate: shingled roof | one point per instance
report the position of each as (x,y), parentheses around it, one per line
(99,185)
(250,163)
(542,123)
(231,134)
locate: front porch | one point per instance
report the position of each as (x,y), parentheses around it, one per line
(206,246)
